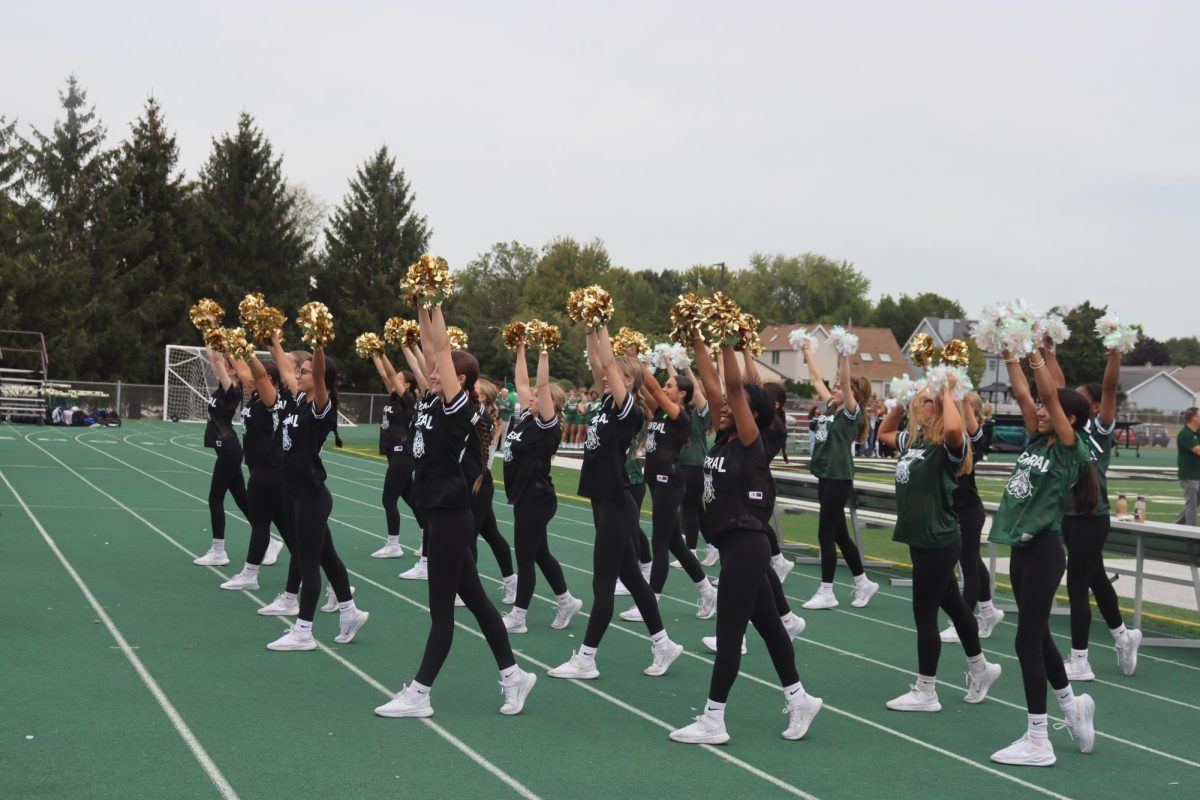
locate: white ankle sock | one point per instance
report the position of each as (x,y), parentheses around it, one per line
(517,614)
(986,606)
(926,684)
(250,569)
(347,607)
(976,664)
(218,545)
(794,693)
(290,596)
(704,586)
(393,540)
(424,559)
(1079,655)
(419,688)
(778,559)
(587,652)
(1066,701)
(304,625)
(827,588)
(510,673)
(715,711)
(563,598)
(1118,633)
(1037,727)
(860,580)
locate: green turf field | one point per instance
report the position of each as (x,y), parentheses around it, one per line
(127,673)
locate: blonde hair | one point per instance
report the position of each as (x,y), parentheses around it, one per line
(934,433)
(558,397)
(632,368)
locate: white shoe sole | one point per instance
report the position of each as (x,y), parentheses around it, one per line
(988,683)
(288,648)
(861,602)
(272,554)
(631,615)
(561,622)
(932,709)
(291,612)
(510,710)
(820,604)
(1078,677)
(655,671)
(582,675)
(359,620)
(793,734)
(248,586)
(522,628)
(211,561)
(411,576)
(421,711)
(712,738)
(331,601)
(397,553)
(620,591)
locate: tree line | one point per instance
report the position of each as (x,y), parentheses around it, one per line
(104,246)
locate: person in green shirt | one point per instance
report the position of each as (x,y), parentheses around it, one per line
(1052,474)
(1188,444)
(691,463)
(933,452)
(836,430)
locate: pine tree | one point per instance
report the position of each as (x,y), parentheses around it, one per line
(371,239)
(19,222)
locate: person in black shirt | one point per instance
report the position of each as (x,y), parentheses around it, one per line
(393,445)
(307,422)
(442,428)
(528,450)
(227,472)
(735,483)
(603,480)
(476,463)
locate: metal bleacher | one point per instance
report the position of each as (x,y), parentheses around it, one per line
(23,376)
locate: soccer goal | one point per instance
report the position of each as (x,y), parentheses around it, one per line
(188,381)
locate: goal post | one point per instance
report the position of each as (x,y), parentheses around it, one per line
(188,382)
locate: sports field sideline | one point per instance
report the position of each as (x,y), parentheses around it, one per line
(127,673)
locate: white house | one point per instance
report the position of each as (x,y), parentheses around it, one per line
(1168,389)
(878,358)
(994,386)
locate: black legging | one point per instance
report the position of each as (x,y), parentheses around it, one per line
(745,597)
(1036,571)
(693,504)
(485,526)
(1085,538)
(452,571)
(314,546)
(266,504)
(226,477)
(831,528)
(397,483)
(977,581)
(530,521)
(667,537)
(638,492)
(614,556)
(934,587)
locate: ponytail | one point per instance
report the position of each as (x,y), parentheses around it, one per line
(483,431)
(331,386)
(1085,494)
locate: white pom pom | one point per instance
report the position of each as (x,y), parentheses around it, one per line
(800,337)
(843,341)
(679,357)
(938,379)
(1052,327)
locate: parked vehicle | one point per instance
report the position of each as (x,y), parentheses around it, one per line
(1152,435)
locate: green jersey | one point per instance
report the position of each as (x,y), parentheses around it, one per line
(1037,494)
(1099,441)
(633,464)
(696,449)
(1189,462)
(834,433)
(590,411)
(926,477)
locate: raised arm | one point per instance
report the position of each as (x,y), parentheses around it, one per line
(708,374)
(889,429)
(751,367)
(425,351)
(439,349)
(395,381)
(660,397)
(739,404)
(814,375)
(242,370)
(593,351)
(320,392)
(287,367)
(699,396)
(377,360)
(545,402)
(1048,393)
(217,362)
(1052,365)
(1108,396)
(848,399)
(952,421)
(608,360)
(1021,393)
(416,365)
(521,377)
(971,422)
(262,382)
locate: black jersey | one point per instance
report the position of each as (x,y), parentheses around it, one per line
(304,429)
(736,486)
(395,427)
(440,432)
(479,440)
(259,421)
(528,450)
(222,405)
(665,440)
(967,494)
(608,437)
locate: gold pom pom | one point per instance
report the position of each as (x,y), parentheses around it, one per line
(956,353)
(686,316)
(591,305)
(214,338)
(747,325)
(547,337)
(401,332)
(316,324)
(458,338)
(206,314)
(627,337)
(260,320)
(428,282)
(724,318)
(515,334)
(236,344)
(920,350)
(367,345)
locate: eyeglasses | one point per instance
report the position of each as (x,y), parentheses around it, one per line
(305,371)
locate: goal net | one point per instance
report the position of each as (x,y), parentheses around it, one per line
(188,382)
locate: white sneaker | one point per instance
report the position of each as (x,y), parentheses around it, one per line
(620,591)
(510,590)
(979,684)
(664,657)
(331,601)
(864,593)
(389,550)
(418,552)
(711,557)
(676,565)
(515,691)
(211,559)
(458,602)
(631,615)
(705,730)
(349,625)
(1127,654)
(576,667)
(794,625)
(513,624)
(822,599)
(272,555)
(1082,724)
(294,639)
(988,622)
(782,567)
(417,572)
(406,703)
(914,700)
(801,716)
(565,612)
(708,604)
(711,643)
(1027,752)
(950,635)
(1078,670)
(242,582)
(281,606)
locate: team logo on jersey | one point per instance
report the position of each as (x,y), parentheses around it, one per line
(290,422)
(1019,485)
(418,445)
(710,494)
(822,431)
(593,435)
(651,443)
(904,465)
(386,423)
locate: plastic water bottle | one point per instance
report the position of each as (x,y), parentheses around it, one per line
(1139,509)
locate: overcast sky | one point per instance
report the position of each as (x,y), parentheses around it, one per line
(982,150)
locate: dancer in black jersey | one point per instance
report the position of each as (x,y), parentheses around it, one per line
(477,469)
(528,450)
(775,442)
(934,452)
(420,371)
(668,430)
(602,479)
(307,421)
(227,472)
(394,432)
(735,482)
(691,466)
(442,428)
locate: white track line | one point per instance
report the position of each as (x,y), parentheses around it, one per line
(465,749)
(201,755)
